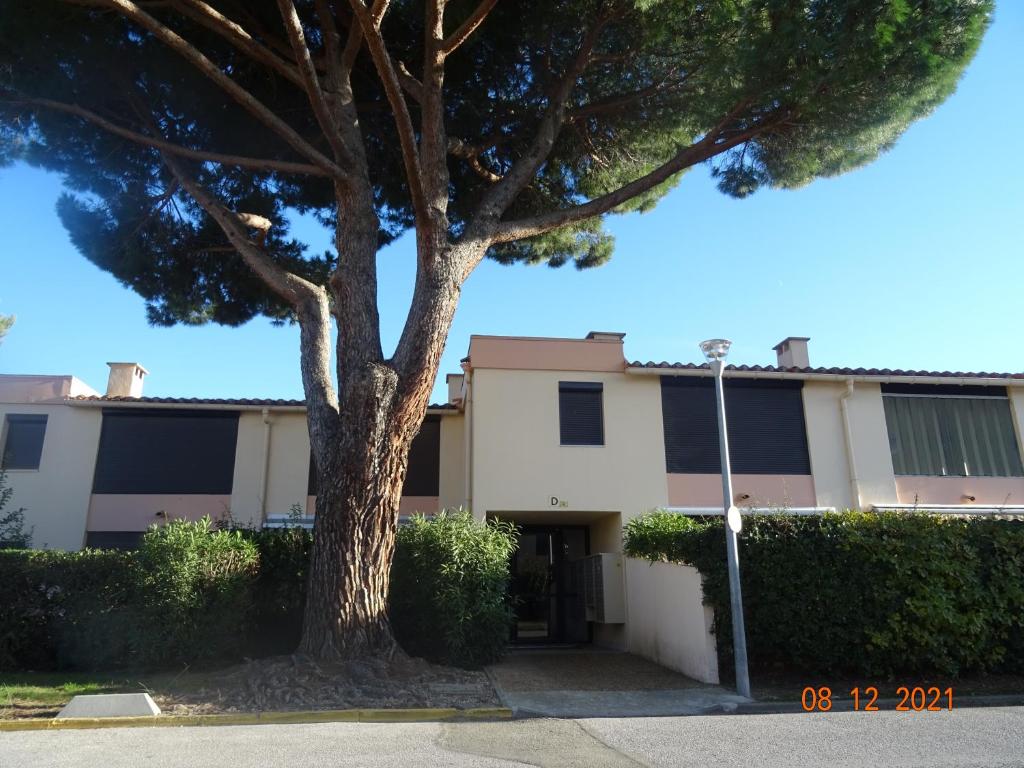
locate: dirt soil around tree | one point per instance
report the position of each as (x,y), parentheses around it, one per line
(275,684)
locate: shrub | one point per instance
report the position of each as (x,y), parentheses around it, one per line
(184,596)
(192,593)
(196,592)
(13,532)
(280,589)
(448,588)
(62,607)
(860,592)
(659,533)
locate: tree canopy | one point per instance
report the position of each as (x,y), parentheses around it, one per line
(6,321)
(589,106)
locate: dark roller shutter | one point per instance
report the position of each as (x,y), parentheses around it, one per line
(113,539)
(166,451)
(580,412)
(311,481)
(424,475)
(767,434)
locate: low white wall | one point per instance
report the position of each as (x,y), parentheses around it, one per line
(667,621)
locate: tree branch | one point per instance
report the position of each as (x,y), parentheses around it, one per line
(468,27)
(293,25)
(498,199)
(234,33)
(255,163)
(471,155)
(619,100)
(714,143)
(335,66)
(433,141)
(369,20)
(290,287)
(309,300)
(178,44)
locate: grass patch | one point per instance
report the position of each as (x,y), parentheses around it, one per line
(41,694)
(55,689)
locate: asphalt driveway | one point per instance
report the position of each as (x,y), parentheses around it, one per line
(596,683)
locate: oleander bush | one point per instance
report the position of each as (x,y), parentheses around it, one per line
(196,589)
(449,582)
(856,592)
(194,594)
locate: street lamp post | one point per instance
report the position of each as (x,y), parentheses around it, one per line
(715,350)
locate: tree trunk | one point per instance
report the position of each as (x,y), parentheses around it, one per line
(361,445)
(349,572)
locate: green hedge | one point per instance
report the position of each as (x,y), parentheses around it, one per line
(854,592)
(184,596)
(193,594)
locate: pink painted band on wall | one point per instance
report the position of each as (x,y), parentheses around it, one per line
(138,511)
(763,490)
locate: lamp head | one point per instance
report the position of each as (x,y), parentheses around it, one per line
(715,349)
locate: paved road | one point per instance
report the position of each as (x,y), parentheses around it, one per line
(993,738)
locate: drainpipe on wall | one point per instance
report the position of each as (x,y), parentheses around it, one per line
(264,475)
(851,461)
(467,443)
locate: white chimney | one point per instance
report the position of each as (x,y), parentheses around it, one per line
(125,380)
(454,381)
(792,352)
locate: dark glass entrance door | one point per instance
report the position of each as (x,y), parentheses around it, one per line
(546,591)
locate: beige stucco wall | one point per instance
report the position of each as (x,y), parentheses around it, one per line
(288,473)
(288,479)
(56,496)
(1017,410)
(18,388)
(519,465)
(246,484)
(452,481)
(287,468)
(667,621)
(875,476)
(826,444)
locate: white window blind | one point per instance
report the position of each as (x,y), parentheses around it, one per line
(957,436)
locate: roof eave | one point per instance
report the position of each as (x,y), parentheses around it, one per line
(994,381)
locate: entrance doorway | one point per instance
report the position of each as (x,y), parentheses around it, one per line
(547,585)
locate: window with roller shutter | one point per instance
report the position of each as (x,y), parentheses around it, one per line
(765,419)
(581,412)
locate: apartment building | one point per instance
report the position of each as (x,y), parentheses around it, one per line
(565,437)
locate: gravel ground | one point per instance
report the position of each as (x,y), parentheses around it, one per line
(297,683)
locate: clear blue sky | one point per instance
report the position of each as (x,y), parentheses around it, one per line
(916,261)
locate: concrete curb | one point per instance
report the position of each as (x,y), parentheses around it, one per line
(884,705)
(261,718)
